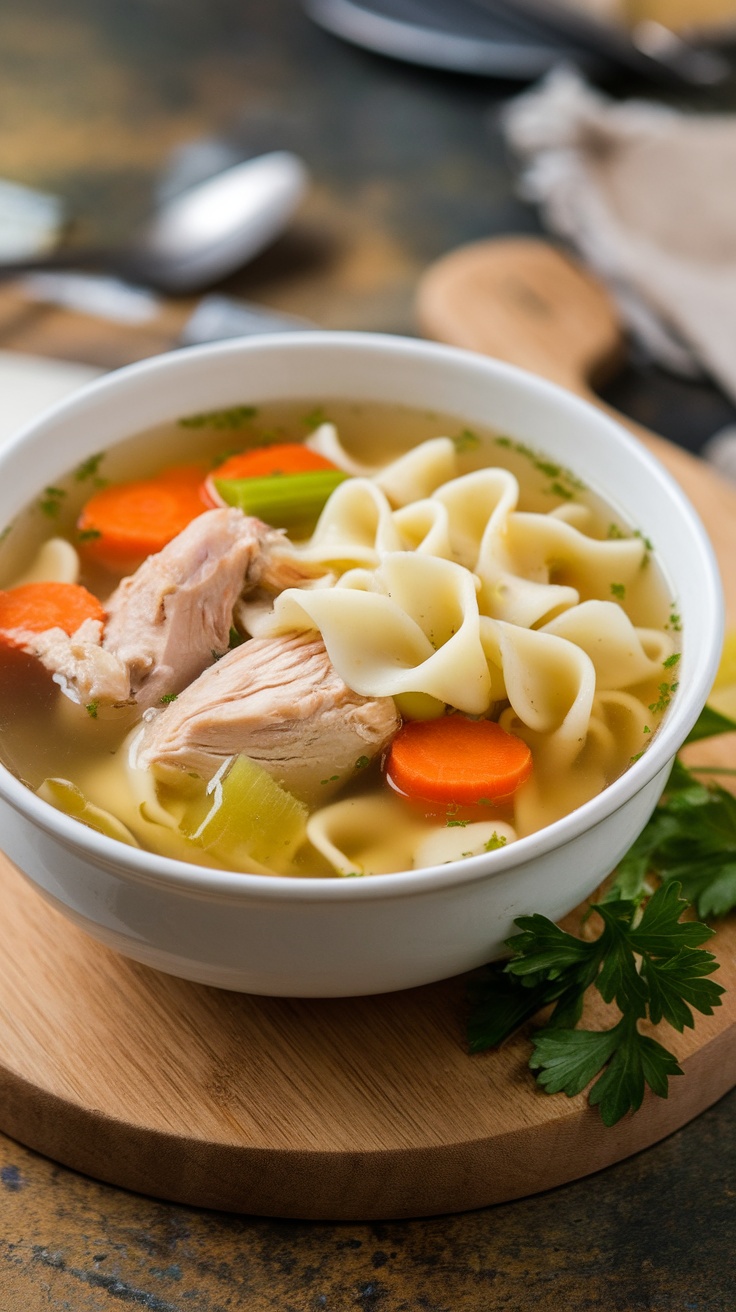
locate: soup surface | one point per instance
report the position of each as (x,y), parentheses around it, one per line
(336,641)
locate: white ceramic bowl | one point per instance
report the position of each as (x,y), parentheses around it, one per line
(332,937)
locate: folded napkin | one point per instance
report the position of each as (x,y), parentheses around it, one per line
(647,196)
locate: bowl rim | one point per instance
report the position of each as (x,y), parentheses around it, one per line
(141,866)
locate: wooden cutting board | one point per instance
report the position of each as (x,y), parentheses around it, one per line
(339,1109)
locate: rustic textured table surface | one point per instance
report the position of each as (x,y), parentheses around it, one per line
(99,98)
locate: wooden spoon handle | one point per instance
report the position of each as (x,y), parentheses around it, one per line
(522,300)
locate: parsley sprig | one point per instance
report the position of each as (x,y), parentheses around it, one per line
(647,960)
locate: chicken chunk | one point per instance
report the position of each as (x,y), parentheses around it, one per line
(84,671)
(170,619)
(281,702)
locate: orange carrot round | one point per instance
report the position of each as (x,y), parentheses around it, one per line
(455,760)
(280,458)
(35,607)
(122,524)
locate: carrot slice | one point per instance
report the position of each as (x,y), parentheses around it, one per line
(280,458)
(456,760)
(122,524)
(35,607)
(265,462)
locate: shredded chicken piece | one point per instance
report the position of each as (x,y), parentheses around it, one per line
(84,671)
(281,702)
(171,619)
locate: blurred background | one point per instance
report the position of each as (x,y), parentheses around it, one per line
(395,108)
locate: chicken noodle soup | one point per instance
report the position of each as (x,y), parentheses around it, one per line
(335,643)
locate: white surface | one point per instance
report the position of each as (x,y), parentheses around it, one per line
(28,384)
(333,937)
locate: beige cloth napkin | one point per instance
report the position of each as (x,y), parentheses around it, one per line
(647,196)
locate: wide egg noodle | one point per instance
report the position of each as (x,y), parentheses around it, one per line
(549,684)
(56,561)
(478,508)
(622,654)
(355,528)
(412,625)
(409,477)
(365,835)
(374,835)
(546,549)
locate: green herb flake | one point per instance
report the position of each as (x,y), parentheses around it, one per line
(50,503)
(234,416)
(89,468)
(362,762)
(671,660)
(558,489)
(675,623)
(456,824)
(332,779)
(466,440)
(314,418)
(614,533)
(618,590)
(91,709)
(665,691)
(169,697)
(494,842)
(88,534)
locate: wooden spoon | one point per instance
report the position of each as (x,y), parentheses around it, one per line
(522,300)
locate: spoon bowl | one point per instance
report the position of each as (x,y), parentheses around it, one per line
(199,236)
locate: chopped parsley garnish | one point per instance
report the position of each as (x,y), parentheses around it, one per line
(169,697)
(91,709)
(558,489)
(456,824)
(332,779)
(618,590)
(362,762)
(495,841)
(314,418)
(235,416)
(565,484)
(675,623)
(88,534)
(665,691)
(51,501)
(89,468)
(466,440)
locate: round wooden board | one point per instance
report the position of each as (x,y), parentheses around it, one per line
(357,1108)
(360,1108)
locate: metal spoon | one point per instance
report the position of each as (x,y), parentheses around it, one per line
(199,236)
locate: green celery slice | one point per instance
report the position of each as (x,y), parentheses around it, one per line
(246,813)
(282,499)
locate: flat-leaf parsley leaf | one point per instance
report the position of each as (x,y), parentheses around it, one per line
(647,960)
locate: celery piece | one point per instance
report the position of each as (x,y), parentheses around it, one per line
(418,706)
(66,797)
(282,499)
(246,813)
